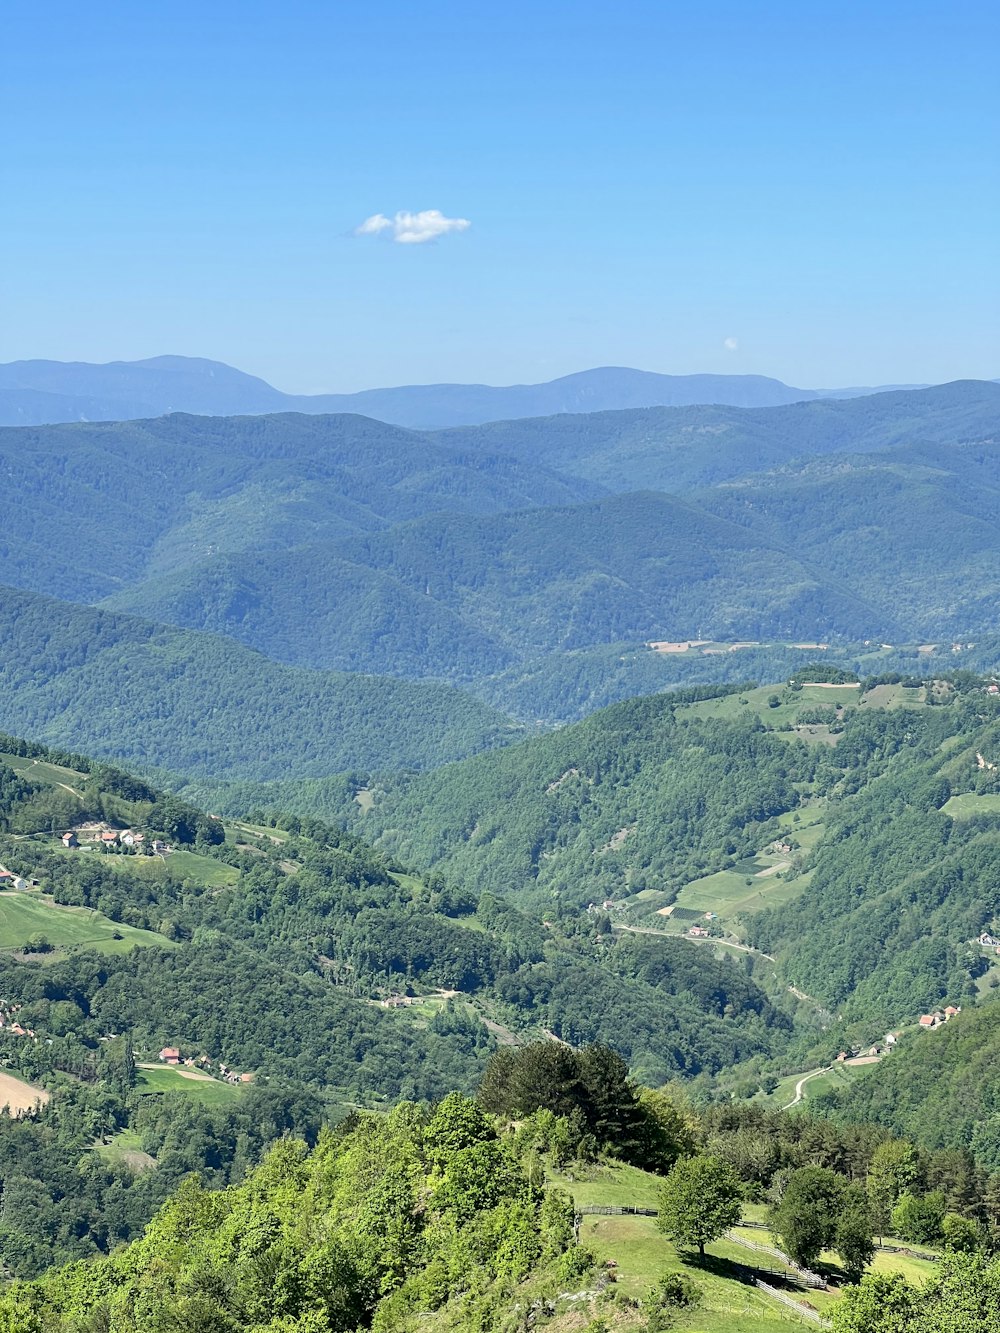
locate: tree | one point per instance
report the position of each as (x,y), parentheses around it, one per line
(960,1234)
(119,1066)
(919,1219)
(700,1199)
(894,1169)
(457,1123)
(853,1240)
(805,1221)
(882,1303)
(666,1132)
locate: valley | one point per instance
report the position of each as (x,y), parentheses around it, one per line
(685,793)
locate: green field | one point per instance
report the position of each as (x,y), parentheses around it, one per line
(204,870)
(728,894)
(836,1078)
(125,1148)
(969,804)
(257,830)
(643,1255)
(793,703)
(48,775)
(166,1078)
(24,915)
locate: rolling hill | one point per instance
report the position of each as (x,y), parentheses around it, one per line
(200,704)
(465,596)
(99,507)
(484,556)
(682,449)
(887,824)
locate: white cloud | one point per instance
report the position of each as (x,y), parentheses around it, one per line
(731,344)
(412,228)
(373,225)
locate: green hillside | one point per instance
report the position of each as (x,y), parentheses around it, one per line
(811,821)
(869,519)
(89,524)
(942,1088)
(203,705)
(346,980)
(340,543)
(468,596)
(684,448)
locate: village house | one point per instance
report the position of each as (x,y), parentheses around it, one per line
(109,837)
(952,1012)
(70,839)
(932,1020)
(989,941)
(698,932)
(132,839)
(170,1055)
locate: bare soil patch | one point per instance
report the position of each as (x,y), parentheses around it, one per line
(20,1096)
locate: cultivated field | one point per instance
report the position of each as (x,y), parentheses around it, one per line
(19,1096)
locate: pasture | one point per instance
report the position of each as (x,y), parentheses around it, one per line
(45,774)
(643,1255)
(750,887)
(205,871)
(25,915)
(188,1082)
(970,804)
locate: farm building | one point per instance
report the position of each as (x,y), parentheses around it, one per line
(170,1055)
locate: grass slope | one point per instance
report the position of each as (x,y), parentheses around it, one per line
(26,915)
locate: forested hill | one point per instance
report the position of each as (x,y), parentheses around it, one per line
(894,544)
(290,951)
(100,506)
(943,1092)
(199,704)
(469,596)
(682,449)
(851,832)
(342,543)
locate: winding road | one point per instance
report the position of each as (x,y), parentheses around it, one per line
(801,1084)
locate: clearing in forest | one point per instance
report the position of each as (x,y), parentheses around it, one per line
(19,1096)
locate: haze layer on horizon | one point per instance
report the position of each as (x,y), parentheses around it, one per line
(340,197)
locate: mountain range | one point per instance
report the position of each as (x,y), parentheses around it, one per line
(339,542)
(39,392)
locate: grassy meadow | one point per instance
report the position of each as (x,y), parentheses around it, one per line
(189,1082)
(24,915)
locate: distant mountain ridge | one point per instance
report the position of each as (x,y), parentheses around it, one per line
(34,393)
(343,543)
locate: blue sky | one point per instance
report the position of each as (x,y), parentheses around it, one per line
(815,184)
